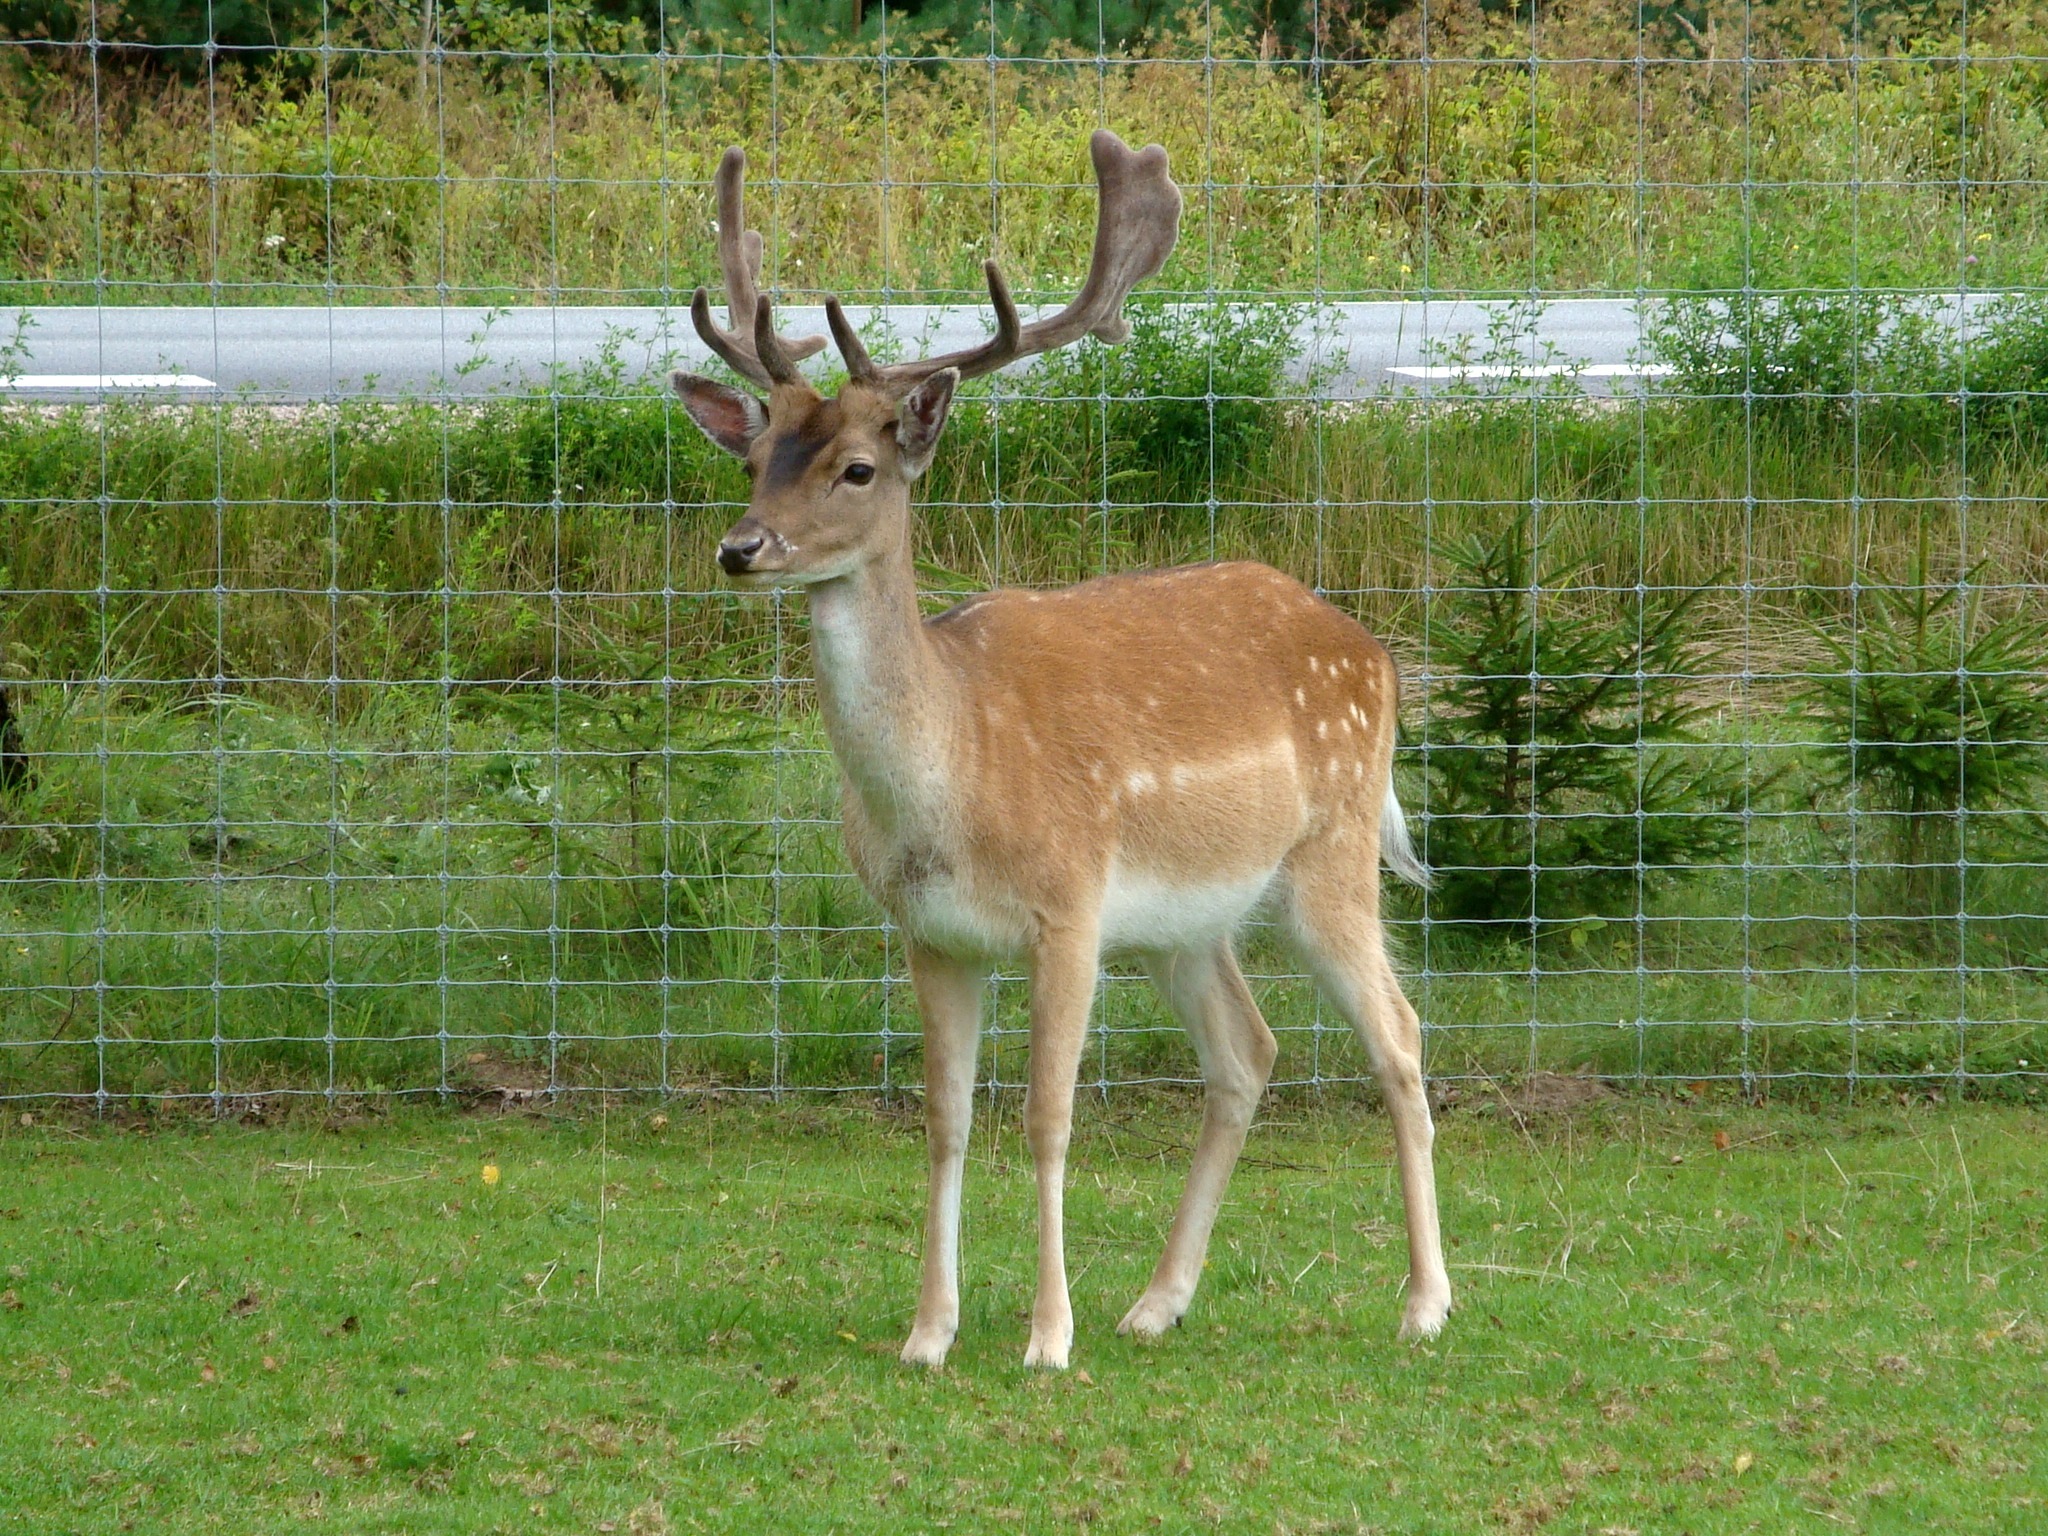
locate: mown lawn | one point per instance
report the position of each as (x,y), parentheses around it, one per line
(1695,1318)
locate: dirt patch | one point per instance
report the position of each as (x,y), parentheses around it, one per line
(486,1081)
(1540,1095)
(1557,1093)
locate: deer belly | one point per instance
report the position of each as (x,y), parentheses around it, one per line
(1144,911)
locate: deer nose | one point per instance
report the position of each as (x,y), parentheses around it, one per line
(734,556)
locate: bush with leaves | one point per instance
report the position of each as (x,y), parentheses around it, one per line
(1899,366)
(1559,766)
(1190,401)
(1937,709)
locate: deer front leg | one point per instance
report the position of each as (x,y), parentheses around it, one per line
(1063,967)
(949,1000)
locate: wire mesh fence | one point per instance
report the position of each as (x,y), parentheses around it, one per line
(1668,387)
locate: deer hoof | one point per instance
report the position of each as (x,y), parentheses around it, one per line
(1424,1317)
(927,1347)
(1151,1317)
(1048,1351)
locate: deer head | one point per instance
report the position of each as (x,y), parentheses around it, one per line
(831,477)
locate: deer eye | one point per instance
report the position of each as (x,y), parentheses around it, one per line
(859,472)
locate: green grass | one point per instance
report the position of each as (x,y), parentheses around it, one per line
(1703,1319)
(588,942)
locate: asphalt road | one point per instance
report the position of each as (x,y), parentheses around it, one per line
(292,354)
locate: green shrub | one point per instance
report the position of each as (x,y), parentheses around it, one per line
(2006,369)
(1542,804)
(1892,365)
(1189,403)
(337,183)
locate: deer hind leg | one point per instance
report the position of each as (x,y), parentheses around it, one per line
(1207,992)
(1336,922)
(949,1000)
(1063,970)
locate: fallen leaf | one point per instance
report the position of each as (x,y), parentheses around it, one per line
(1743,1462)
(1185,1465)
(1721,1142)
(207,1373)
(465,1437)
(270,1362)
(9,1301)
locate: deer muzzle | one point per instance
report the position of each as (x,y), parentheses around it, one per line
(751,548)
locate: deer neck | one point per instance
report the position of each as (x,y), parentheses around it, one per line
(886,696)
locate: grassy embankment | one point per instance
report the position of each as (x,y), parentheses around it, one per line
(634,879)
(1830,155)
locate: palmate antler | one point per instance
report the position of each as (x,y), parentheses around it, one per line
(751,347)
(1137,220)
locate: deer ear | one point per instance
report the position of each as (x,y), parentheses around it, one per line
(923,416)
(730,417)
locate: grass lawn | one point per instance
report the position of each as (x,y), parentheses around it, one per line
(1671,1319)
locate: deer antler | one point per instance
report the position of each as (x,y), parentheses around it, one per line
(751,347)
(1136,222)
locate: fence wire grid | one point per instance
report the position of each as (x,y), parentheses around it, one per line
(1667,387)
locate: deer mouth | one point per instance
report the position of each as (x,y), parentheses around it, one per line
(751,554)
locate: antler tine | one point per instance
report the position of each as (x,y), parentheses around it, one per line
(1137,221)
(740,359)
(739,257)
(859,366)
(776,361)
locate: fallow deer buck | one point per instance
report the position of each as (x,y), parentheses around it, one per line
(1133,764)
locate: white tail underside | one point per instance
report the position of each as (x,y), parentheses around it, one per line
(1395,850)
